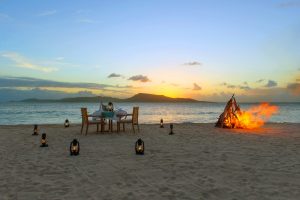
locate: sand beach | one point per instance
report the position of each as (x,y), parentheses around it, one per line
(198,162)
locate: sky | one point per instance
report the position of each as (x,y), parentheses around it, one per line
(206,50)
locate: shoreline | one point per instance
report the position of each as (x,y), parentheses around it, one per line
(175,123)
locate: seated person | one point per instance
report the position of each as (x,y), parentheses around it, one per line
(110,106)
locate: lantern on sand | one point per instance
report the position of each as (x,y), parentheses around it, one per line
(161,123)
(67,123)
(35,130)
(139,147)
(171,129)
(74,148)
(44,141)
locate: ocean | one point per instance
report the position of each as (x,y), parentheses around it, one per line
(55,113)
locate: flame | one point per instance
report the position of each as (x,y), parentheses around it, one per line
(255,116)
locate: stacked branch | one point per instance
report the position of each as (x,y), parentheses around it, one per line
(229,118)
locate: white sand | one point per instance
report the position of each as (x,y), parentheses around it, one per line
(198,162)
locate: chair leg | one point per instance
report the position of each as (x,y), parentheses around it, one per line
(110,125)
(133,128)
(87,128)
(82,127)
(102,125)
(138,128)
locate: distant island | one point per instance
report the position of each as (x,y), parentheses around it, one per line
(140,97)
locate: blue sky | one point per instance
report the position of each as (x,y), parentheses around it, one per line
(201,49)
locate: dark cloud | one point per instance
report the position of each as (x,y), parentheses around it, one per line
(12,82)
(271,83)
(294,88)
(290,4)
(140,78)
(245,87)
(231,86)
(196,87)
(242,87)
(123,86)
(260,80)
(34,82)
(17,95)
(194,63)
(114,75)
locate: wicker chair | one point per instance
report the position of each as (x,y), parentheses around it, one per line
(134,121)
(87,122)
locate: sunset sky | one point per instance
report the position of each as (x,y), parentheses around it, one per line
(205,50)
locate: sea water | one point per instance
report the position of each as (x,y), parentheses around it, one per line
(149,113)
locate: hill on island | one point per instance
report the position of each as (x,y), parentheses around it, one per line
(140,97)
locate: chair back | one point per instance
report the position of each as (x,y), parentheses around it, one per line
(84,115)
(135,115)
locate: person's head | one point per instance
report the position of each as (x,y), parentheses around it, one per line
(110,103)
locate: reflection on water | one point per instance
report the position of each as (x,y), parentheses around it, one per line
(51,113)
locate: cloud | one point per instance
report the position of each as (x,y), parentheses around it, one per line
(294,88)
(275,94)
(123,86)
(197,87)
(27,82)
(47,13)
(290,4)
(114,75)
(4,17)
(231,86)
(34,82)
(194,63)
(17,95)
(88,21)
(298,79)
(60,58)
(245,87)
(242,87)
(271,83)
(260,80)
(82,11)
(140,78)
(23,62)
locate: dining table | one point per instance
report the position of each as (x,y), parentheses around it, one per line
(110,116)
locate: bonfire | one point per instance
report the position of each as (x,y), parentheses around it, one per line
(255,117)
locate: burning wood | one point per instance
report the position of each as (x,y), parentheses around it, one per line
(234,117)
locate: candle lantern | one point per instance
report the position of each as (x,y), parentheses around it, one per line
(74,148)
(161,123)
(35,130)
(44,141)
(67,123)
(171,129)
(139,147)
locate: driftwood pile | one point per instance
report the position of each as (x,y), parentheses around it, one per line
(229,118)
